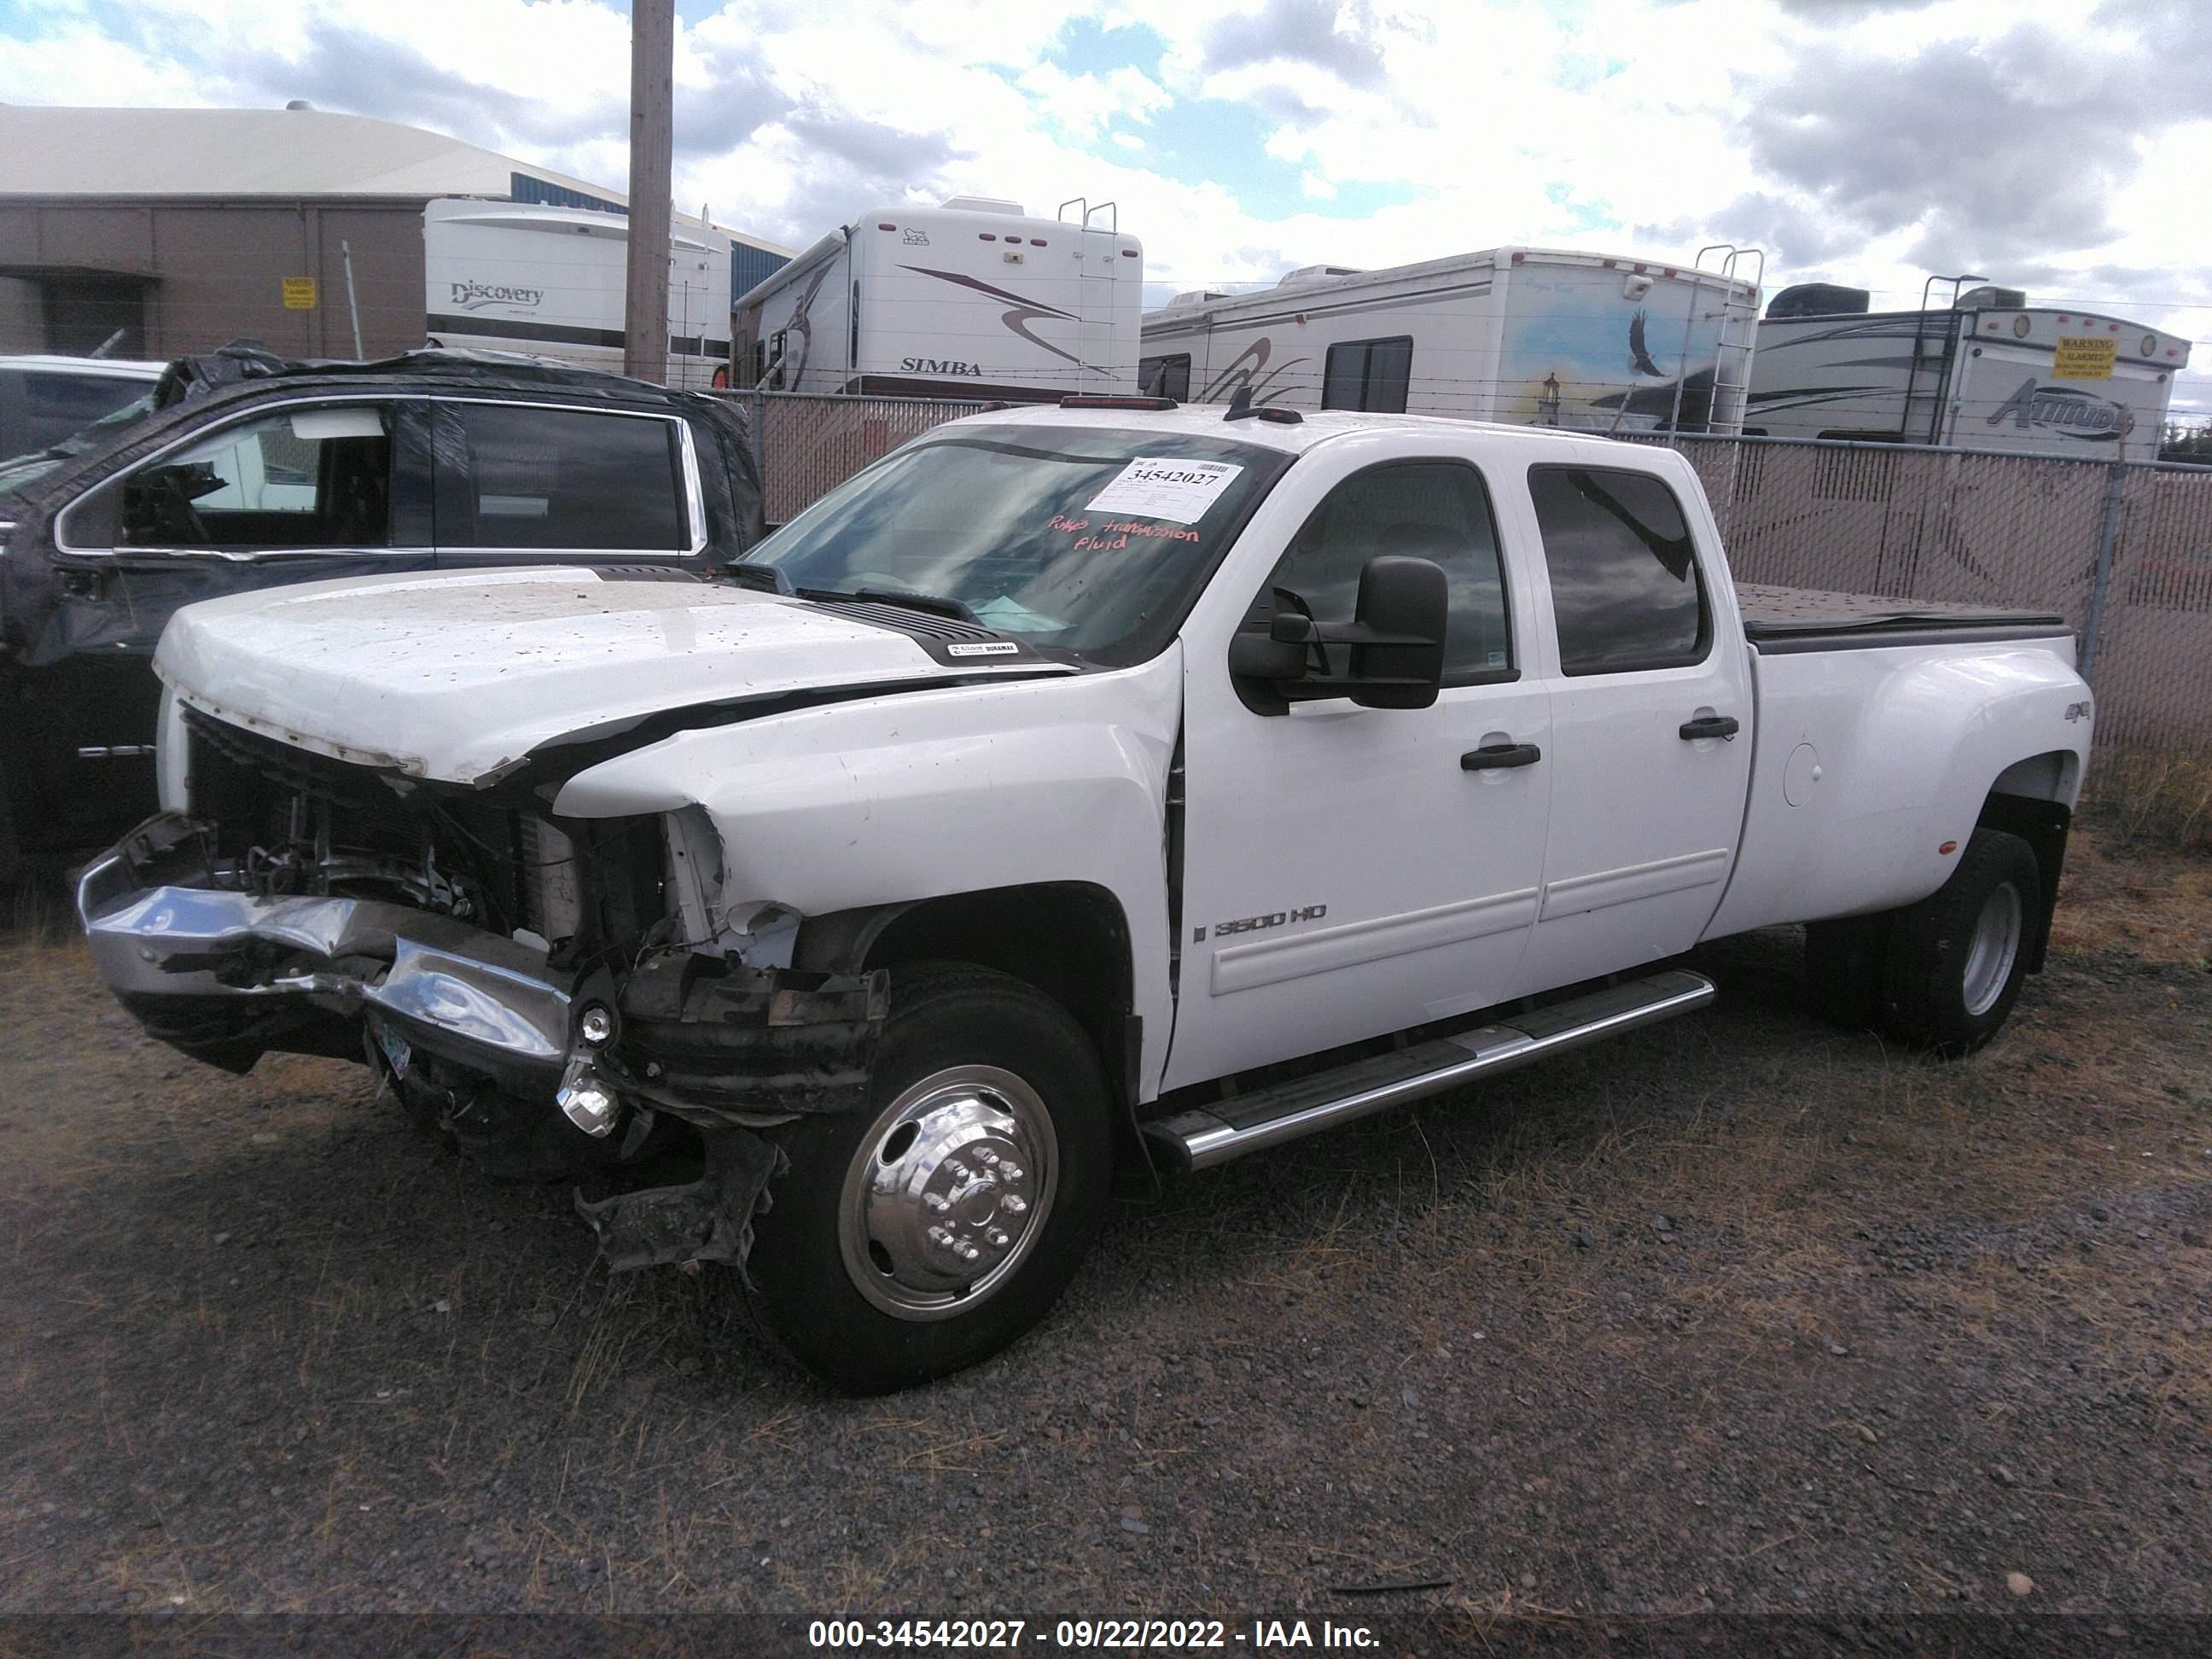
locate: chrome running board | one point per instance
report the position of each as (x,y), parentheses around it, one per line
(1229,1128)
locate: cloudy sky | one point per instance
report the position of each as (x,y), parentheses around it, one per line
(2061,146)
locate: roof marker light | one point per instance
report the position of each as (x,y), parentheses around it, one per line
(885,224)
(1093,400)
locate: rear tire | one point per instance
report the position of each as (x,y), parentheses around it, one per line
(927,1231)
(1953,963)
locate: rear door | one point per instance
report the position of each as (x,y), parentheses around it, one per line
(521,483)
(1651,719)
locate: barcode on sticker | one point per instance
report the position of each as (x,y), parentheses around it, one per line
(1166,486)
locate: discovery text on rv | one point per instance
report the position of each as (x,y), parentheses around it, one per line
(469,295)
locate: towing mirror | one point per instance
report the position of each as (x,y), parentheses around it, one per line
(1396,641)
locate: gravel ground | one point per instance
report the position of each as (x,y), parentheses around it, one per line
(1739,1313)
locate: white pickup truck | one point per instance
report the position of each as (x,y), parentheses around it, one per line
(1034,797)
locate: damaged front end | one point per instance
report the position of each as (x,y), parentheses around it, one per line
(525,987)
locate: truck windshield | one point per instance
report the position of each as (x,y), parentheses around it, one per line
(1085,540)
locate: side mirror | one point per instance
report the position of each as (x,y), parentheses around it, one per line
(1403,604)
(1397,639)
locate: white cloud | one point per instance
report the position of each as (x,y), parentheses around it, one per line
(1502,120)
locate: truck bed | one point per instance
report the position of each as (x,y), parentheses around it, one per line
(1783,620)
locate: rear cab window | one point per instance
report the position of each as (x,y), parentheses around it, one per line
(1626,590)
(1088,540)
(525,478)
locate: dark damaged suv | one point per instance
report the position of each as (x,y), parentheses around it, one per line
(253,472)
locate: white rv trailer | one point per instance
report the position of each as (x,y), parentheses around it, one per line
(972,299)
(549,280)
(1991,372)
(1531,336)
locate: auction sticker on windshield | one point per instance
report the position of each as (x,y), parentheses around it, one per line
(1165,486)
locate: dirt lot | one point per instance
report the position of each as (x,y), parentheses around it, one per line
(1738,1314)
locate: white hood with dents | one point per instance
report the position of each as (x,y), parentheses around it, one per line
(456,677)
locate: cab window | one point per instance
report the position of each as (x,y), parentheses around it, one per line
(1626,590)
(1433,510)
(314,476)
(560,480)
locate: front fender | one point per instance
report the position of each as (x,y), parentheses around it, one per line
(924,794)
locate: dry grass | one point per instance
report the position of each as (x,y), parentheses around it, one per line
(2154,797)
(2147,903)
(1453,1342)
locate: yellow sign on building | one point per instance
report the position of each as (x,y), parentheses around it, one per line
(2084,358)
(299,295)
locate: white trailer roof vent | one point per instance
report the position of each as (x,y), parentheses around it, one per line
(1989,298)
(984,205)
(1193,296)
(1305,274)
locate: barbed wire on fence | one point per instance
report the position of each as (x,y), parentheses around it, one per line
(1903,521)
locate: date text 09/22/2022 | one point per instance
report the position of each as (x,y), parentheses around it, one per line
(952,1635)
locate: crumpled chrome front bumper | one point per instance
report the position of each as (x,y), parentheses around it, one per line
(227,976)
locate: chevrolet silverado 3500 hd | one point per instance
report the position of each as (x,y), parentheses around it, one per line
(1036,788)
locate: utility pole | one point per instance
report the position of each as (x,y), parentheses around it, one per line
(652,99)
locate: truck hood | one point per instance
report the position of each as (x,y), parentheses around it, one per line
(458,678)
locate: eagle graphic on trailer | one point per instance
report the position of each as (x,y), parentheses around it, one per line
(972,299)
(1530,337)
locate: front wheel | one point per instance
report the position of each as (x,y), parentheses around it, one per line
(929,1229)
(1952,963)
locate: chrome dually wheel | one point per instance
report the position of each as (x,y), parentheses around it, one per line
(948,1192)
(929,1229)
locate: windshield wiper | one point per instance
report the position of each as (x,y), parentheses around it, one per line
(935,604)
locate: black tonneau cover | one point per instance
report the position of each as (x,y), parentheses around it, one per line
(1779,621)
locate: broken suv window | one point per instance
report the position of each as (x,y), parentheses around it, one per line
(1085,539)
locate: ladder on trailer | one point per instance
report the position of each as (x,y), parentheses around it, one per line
(1739,273)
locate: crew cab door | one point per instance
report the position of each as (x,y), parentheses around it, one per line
(1651,719)
(521,483)
(279,493)
(1351,871)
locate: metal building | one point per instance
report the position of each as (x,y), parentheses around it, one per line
(183,228)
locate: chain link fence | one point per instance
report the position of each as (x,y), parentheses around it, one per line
(808,443)
(2123,551)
